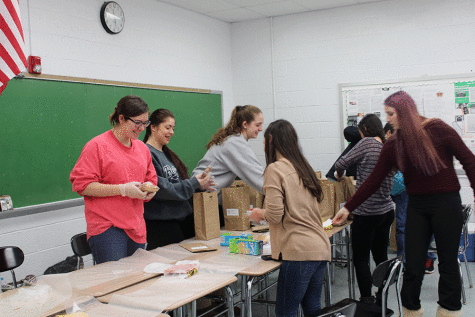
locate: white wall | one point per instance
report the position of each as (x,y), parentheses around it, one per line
(314,52)
(288,66)
(160,44)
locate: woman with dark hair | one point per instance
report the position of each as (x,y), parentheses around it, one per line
(423,150)
(229,153)
(108,174)
(353,136)
(293,193)
(372,220)
(169,215)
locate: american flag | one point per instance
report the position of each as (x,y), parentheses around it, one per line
(12,42)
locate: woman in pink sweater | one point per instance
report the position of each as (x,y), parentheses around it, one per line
(108,174)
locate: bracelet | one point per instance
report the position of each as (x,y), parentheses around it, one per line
(122,189)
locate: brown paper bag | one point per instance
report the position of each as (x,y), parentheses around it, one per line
(327,205)
(256,198)
(206,214)
(236,203)
(340,195)
(392,240)
(318,174)
(349,187)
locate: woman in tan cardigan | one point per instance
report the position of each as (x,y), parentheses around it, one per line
(296,232)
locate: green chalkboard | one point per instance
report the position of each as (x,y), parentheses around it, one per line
(45,124)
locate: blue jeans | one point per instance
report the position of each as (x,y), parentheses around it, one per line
(112,245)
(299,282)
(401,201)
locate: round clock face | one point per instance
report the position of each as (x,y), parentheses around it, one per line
(112,17)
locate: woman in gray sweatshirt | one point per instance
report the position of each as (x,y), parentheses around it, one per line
(229,153)
(169,216)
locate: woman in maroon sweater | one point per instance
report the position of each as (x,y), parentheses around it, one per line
(423,150)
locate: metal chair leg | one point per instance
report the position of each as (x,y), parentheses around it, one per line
(469,275)
(464,299)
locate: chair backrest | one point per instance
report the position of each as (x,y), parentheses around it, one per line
(467,210)
(10,258)
(80,245)
(387,272)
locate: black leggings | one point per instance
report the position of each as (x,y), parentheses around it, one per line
(369,233)
(440,215)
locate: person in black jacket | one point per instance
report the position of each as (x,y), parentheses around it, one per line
(352,135)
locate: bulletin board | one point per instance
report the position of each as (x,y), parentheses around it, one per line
(46,122)
(450,98)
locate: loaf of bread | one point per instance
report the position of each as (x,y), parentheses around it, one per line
(149,188)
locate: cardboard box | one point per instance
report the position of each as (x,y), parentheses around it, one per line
(246,246)
(227,236)
(206,214)
(236,203)
(318,174)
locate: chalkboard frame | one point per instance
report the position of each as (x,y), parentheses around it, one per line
(81,106)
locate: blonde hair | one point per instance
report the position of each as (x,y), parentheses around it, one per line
(239,115)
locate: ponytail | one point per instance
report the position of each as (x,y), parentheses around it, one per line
(239,115)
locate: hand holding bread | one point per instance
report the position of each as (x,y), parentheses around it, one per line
(149,188)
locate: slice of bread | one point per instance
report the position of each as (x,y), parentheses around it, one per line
(149,188)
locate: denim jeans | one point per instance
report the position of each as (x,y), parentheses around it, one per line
(112,245)
(299,282)
(401,201)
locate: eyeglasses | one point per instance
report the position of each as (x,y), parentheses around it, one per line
(138,124)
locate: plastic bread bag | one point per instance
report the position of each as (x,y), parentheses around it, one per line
(183,269)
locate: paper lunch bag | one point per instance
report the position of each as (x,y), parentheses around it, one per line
(236,203)
(206,214)
(327,205)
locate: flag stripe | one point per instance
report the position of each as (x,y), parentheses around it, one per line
(12,42)
(10,54)
(8,60)
(14,11)
(3,79)
(9,29)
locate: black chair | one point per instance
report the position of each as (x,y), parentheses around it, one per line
(386,274)
(80,247)
(11,258)
(467,211)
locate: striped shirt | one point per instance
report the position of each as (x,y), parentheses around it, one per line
(365,154)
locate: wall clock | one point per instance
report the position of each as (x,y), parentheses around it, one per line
(112,17)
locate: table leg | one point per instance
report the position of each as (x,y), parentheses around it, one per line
(193,308)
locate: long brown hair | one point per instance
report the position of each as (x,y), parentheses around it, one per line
(412,141)
(238,116)
(128,106)
(280,136)
(156,118)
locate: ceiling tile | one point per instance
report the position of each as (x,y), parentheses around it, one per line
(246,3)
(235,15)
(326,4)
(202,6)
(279,8)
